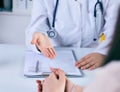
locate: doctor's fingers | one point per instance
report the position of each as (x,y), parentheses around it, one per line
(46,52)
(88,65)
(43,51)
(36,41)
(50,47)
(93,67)
(52,52)
(96,65)
(83,62)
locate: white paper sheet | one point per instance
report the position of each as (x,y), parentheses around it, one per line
(37,64)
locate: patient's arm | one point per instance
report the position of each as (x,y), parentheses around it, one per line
(71,87)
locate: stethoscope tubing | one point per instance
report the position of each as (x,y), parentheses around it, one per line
(95,7)
(56,7)
(54,13)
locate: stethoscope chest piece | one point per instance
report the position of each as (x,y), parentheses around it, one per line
(52,33)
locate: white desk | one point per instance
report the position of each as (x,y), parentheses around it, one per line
(11,70)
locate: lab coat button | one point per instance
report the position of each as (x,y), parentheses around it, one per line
(94,39)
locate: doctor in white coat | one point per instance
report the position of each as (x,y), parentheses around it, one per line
(76,23)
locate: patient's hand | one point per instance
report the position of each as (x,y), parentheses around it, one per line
(55,82)
(39,85)
(91,61)
(69,85)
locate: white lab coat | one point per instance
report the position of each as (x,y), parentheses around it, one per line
(75,22)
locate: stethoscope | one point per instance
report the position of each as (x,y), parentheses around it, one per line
(98,3)
(98,7)
(52,33)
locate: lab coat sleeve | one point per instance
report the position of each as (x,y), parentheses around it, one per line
(111,12)
(39,23)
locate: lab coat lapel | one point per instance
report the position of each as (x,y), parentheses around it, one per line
(85,16)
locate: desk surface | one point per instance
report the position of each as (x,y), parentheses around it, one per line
(12,65)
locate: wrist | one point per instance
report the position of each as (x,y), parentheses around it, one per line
(73,88)
(76,88)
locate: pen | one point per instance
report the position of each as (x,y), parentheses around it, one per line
(37,66)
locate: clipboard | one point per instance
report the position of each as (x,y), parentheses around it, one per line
(37,65)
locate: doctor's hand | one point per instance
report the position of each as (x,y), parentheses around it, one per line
(43,44)
(55,83)
(91,61)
